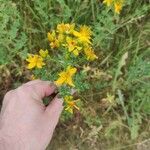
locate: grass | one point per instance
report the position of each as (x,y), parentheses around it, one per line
(116,109)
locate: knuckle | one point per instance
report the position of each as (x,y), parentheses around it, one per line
(9,94)
(24,89)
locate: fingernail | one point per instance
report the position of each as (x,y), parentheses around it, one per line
(51,84)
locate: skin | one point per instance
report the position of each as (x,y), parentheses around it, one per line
(25,123)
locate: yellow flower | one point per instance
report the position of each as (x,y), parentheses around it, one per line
(118,7)
(35,61)
(90,54)
(84,35)
(108,2)
(61,37)
(51,36)
(72,46)
(65,77)
(43,53)
(65,28)
(54,44)
(71,104)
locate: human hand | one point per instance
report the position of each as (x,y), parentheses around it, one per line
(25,123)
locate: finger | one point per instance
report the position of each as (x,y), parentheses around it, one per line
(43,88)
(9,95)
(53,110)
(33,82)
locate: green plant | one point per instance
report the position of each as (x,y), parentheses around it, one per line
(12,39)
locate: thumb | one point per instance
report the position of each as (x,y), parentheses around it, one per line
(54,109)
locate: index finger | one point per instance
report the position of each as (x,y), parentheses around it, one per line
(43,88)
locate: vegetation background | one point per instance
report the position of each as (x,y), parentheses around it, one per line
(116,108)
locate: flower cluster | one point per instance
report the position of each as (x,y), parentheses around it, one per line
(75,46)
(75,41)
(116,4)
